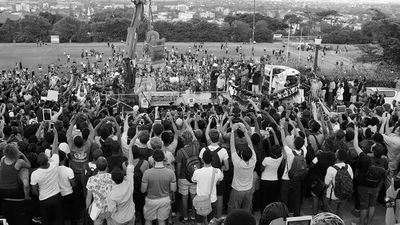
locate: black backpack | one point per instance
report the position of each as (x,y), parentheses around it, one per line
(137,177)
(192,163)
(216,161)
(299,169)
(375,173)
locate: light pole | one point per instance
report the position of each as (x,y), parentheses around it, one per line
(254,20)
(318,42)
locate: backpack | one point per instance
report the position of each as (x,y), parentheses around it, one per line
(137,177)
(192,163)
(343,183)
(216,161)
(299,169)
(375,174)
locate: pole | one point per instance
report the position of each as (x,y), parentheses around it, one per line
(301,37)
(270,79)
(316,59)
(288,42)
(254,20)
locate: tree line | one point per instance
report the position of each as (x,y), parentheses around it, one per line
(111,25)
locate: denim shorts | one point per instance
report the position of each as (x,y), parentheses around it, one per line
(368,196)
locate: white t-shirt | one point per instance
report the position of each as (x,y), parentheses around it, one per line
(270,172)
(203,178)
(64,175)
(47,179)
(289,160)
(330,178)
(243,172)
(222,154)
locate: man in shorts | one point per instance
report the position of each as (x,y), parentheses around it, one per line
(158,182)
(191,148)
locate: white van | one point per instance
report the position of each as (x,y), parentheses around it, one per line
(389,94)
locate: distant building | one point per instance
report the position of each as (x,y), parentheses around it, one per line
(207,14)
(185,16)
(180,7)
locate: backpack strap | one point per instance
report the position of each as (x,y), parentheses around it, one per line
(336,167)
(316,140)
(218,149)
(212,181)
(185,153)
(138,165)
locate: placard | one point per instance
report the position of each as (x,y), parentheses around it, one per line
(52,95)
(144,103)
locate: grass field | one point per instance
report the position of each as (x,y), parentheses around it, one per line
(31,56)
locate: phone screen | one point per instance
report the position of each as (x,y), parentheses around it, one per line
(46,114)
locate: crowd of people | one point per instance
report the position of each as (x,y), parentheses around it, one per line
(79,160)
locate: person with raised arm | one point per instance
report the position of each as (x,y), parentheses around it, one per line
(44,182)
(243,166)
(120,200)
(371,174)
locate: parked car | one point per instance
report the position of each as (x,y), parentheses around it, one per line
(389,94)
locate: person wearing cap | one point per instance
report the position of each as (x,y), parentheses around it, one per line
(66,181)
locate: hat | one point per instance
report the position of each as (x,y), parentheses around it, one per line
(179,122)
(64,147)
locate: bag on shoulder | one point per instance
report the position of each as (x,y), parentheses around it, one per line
(319,145)
(202,204)
(192,163)
(299,169)
(216,161)
(375,174)
(343,183)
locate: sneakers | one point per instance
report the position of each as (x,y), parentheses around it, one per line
(37,219)
(183,219)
